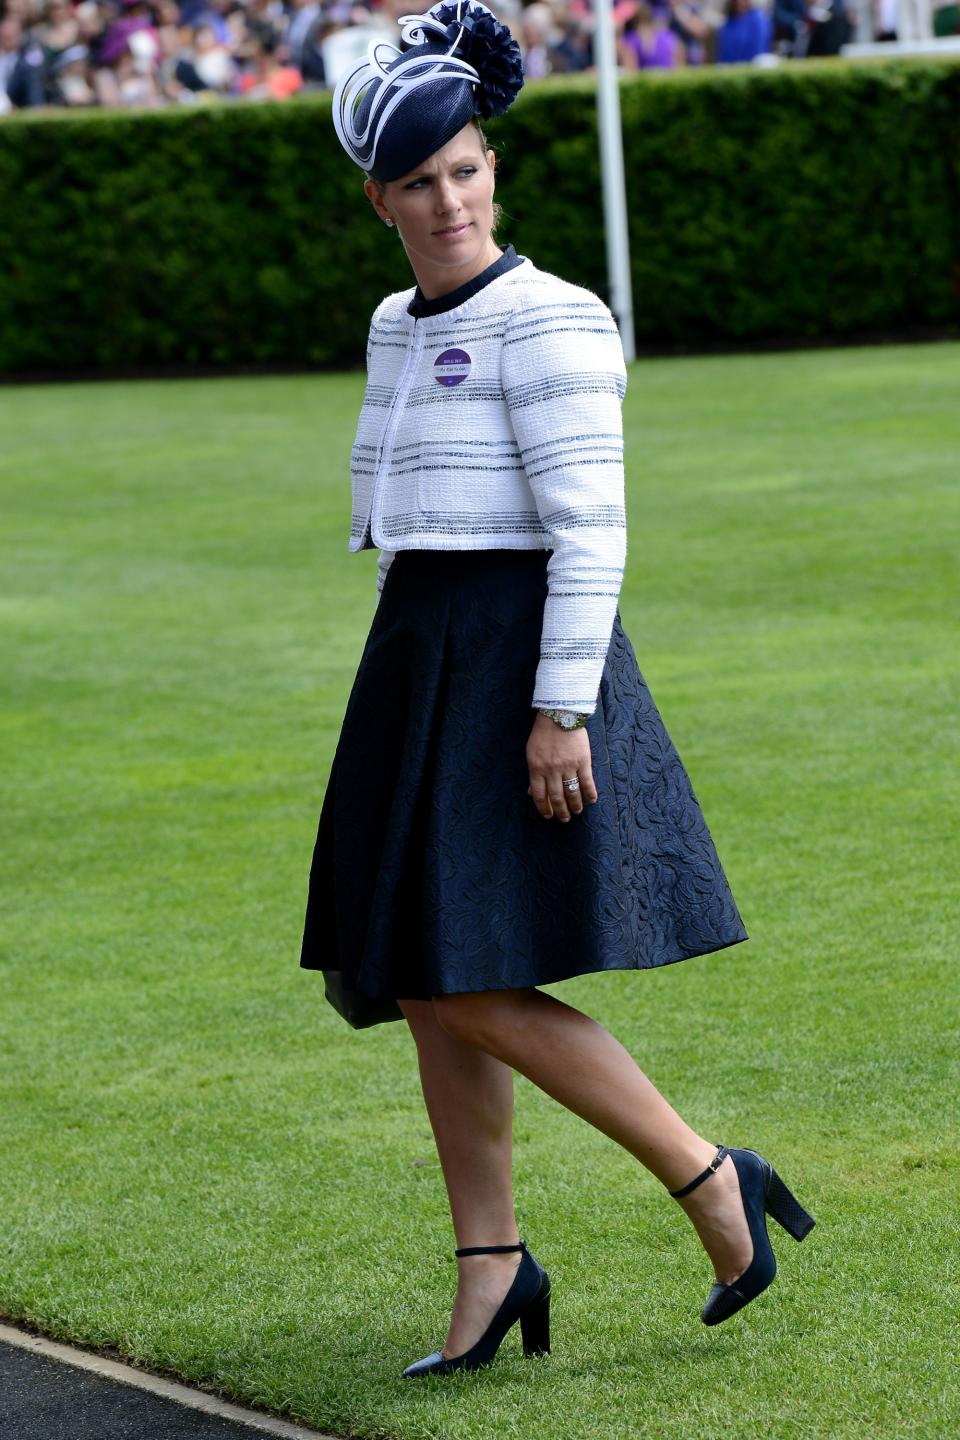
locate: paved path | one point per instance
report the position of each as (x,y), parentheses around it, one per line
(54,1392)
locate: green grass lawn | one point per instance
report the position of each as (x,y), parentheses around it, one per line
(203,1167)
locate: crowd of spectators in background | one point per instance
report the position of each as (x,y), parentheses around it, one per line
(158,52)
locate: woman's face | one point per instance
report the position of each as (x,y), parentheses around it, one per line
(443,209)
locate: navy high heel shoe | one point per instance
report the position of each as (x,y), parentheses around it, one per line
(527,1300)
(763,1193)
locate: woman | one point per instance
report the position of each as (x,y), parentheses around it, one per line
(648,42)
(505,808)
(746,33)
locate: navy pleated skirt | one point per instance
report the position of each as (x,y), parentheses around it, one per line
(433,873)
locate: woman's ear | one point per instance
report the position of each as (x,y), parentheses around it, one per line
(375,195)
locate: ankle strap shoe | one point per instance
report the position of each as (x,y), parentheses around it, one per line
(527,1300)
(763,1193)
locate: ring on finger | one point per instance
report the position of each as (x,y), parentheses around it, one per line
(571,783)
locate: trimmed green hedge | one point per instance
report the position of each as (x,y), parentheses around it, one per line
(810,200)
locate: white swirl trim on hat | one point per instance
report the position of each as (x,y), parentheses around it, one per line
(409,71)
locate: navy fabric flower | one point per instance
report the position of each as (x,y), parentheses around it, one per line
(492,51)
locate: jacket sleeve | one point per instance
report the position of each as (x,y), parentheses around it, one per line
(564,380)
(385,557)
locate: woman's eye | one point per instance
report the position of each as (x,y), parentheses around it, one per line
(465,170)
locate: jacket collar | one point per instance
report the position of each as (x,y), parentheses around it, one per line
(420,307)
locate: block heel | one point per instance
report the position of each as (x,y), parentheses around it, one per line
(762,1192)
(786,1209)
(527,1300)
(535,1323)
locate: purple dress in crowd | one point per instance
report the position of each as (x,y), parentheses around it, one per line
(660,53)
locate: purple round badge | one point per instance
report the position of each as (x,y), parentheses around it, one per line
(452,367)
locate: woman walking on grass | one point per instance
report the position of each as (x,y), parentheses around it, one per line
(505,808)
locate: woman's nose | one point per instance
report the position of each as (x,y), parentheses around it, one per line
(446,196)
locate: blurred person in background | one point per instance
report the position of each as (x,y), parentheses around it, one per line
(690,21)
(206,12)
(57,30)
(233,13)
(259,25)
(263,16)
(302,16)
(646,41)
(572,50)
(536,34)
(128,72)
(790,28)
(205,63)
(91,28)
(69,78)
(169,31)
(335,17)
(347,32)
(829,27)
(553,39)
(265,77)
(746,33)
(132,16)
(22,67)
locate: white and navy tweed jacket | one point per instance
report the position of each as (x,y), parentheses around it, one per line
(497,424)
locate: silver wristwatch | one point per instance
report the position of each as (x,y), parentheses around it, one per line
(566,719)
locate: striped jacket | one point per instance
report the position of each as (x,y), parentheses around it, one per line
(497,424)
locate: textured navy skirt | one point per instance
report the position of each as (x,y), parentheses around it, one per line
(433,872)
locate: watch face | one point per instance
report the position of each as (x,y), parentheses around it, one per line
(566,719)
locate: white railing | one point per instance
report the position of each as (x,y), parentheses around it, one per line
(947,45)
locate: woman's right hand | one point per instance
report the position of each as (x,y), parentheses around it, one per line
(554,755)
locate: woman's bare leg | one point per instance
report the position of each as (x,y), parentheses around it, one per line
(469,1099)
(579,1063)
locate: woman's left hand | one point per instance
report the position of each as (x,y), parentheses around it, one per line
(554,755)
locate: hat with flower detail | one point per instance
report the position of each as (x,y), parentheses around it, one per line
(400,105)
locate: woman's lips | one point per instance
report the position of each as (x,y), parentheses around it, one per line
(452,231)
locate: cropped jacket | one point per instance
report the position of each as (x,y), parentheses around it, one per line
(496,422)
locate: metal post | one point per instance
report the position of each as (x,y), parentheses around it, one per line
(611,166)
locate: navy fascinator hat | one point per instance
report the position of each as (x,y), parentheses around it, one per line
(400,105)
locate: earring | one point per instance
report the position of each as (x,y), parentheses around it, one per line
(388,221)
